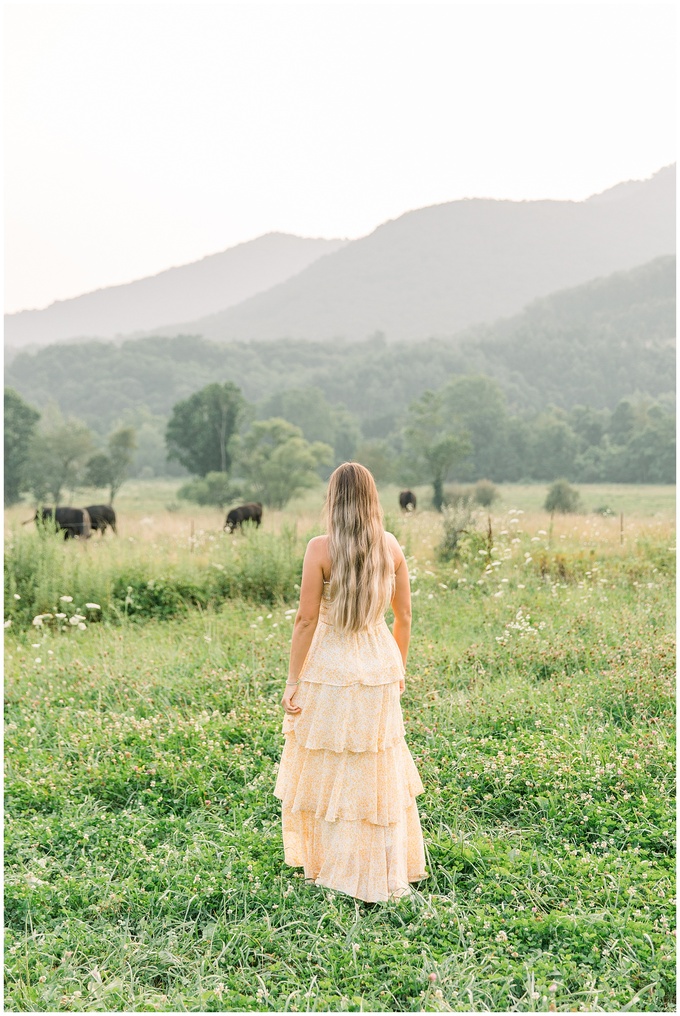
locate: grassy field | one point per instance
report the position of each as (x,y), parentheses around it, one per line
(144,866)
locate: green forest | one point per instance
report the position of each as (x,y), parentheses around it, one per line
(580,385)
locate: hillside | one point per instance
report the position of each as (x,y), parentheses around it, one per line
(192,290)
(594,344)
(438,270)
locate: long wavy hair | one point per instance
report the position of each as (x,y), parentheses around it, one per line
(362,569)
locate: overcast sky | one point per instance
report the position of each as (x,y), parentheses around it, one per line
(144,135)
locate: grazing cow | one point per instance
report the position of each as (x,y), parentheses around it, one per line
(407,501)
(251,512)
(71,522)
(102,516)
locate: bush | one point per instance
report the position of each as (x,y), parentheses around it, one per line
(604,510)
(455,493)
(485,493)
(562,497)
(458,519)
(214,489)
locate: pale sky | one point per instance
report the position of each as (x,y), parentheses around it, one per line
(144,135)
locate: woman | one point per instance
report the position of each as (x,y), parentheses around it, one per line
(347,781)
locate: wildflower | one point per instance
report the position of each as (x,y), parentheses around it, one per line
(535,995)
(552,987)
(60,615)
(16,596)
(81,626)
(502,936)
(432,977)
(42,979)
(37,620)
(7,623)
(93,606)
(66,599)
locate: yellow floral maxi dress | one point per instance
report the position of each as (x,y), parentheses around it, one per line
(346,780)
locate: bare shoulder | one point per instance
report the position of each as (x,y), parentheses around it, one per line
(395,549)
(317,546)
(317,552)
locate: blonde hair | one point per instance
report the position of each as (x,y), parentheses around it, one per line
(362,569)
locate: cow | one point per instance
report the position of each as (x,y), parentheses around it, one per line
(251,512)
(71,522)
(102,516)
(407,501)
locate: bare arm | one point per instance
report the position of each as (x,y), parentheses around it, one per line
(306,619)
(401,601)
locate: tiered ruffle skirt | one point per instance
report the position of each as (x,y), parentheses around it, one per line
(346,780)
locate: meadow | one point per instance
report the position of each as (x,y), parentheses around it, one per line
(144,865)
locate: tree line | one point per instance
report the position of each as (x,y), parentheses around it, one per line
(463,431)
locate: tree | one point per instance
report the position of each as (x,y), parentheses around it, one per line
(562,497)
(308,409)
(20,423)
(59,450)
(433,443)
(110,470)
(202,427)
(622,423)
(379,458)
(477,404)
(278,463)
(555,446)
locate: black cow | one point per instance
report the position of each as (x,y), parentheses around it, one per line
(102,516)
(407,501)
(71,522)
(251,512)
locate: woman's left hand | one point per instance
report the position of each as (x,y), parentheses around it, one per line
(287,700)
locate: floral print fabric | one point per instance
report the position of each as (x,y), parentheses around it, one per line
(347,781)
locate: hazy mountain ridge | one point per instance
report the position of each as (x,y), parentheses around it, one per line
(430,272)
(593,344)
(202,287)
(438,270)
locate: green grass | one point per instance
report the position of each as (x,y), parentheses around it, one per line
(144,865)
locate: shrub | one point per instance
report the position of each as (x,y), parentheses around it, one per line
(562,497)
(604,510)
(458,519)
(214,489)
(485,493)
(455,493)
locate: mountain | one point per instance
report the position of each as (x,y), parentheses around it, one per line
(594,344)
(203,287)
(438,270)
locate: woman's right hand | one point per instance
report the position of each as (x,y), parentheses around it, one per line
(287,700)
